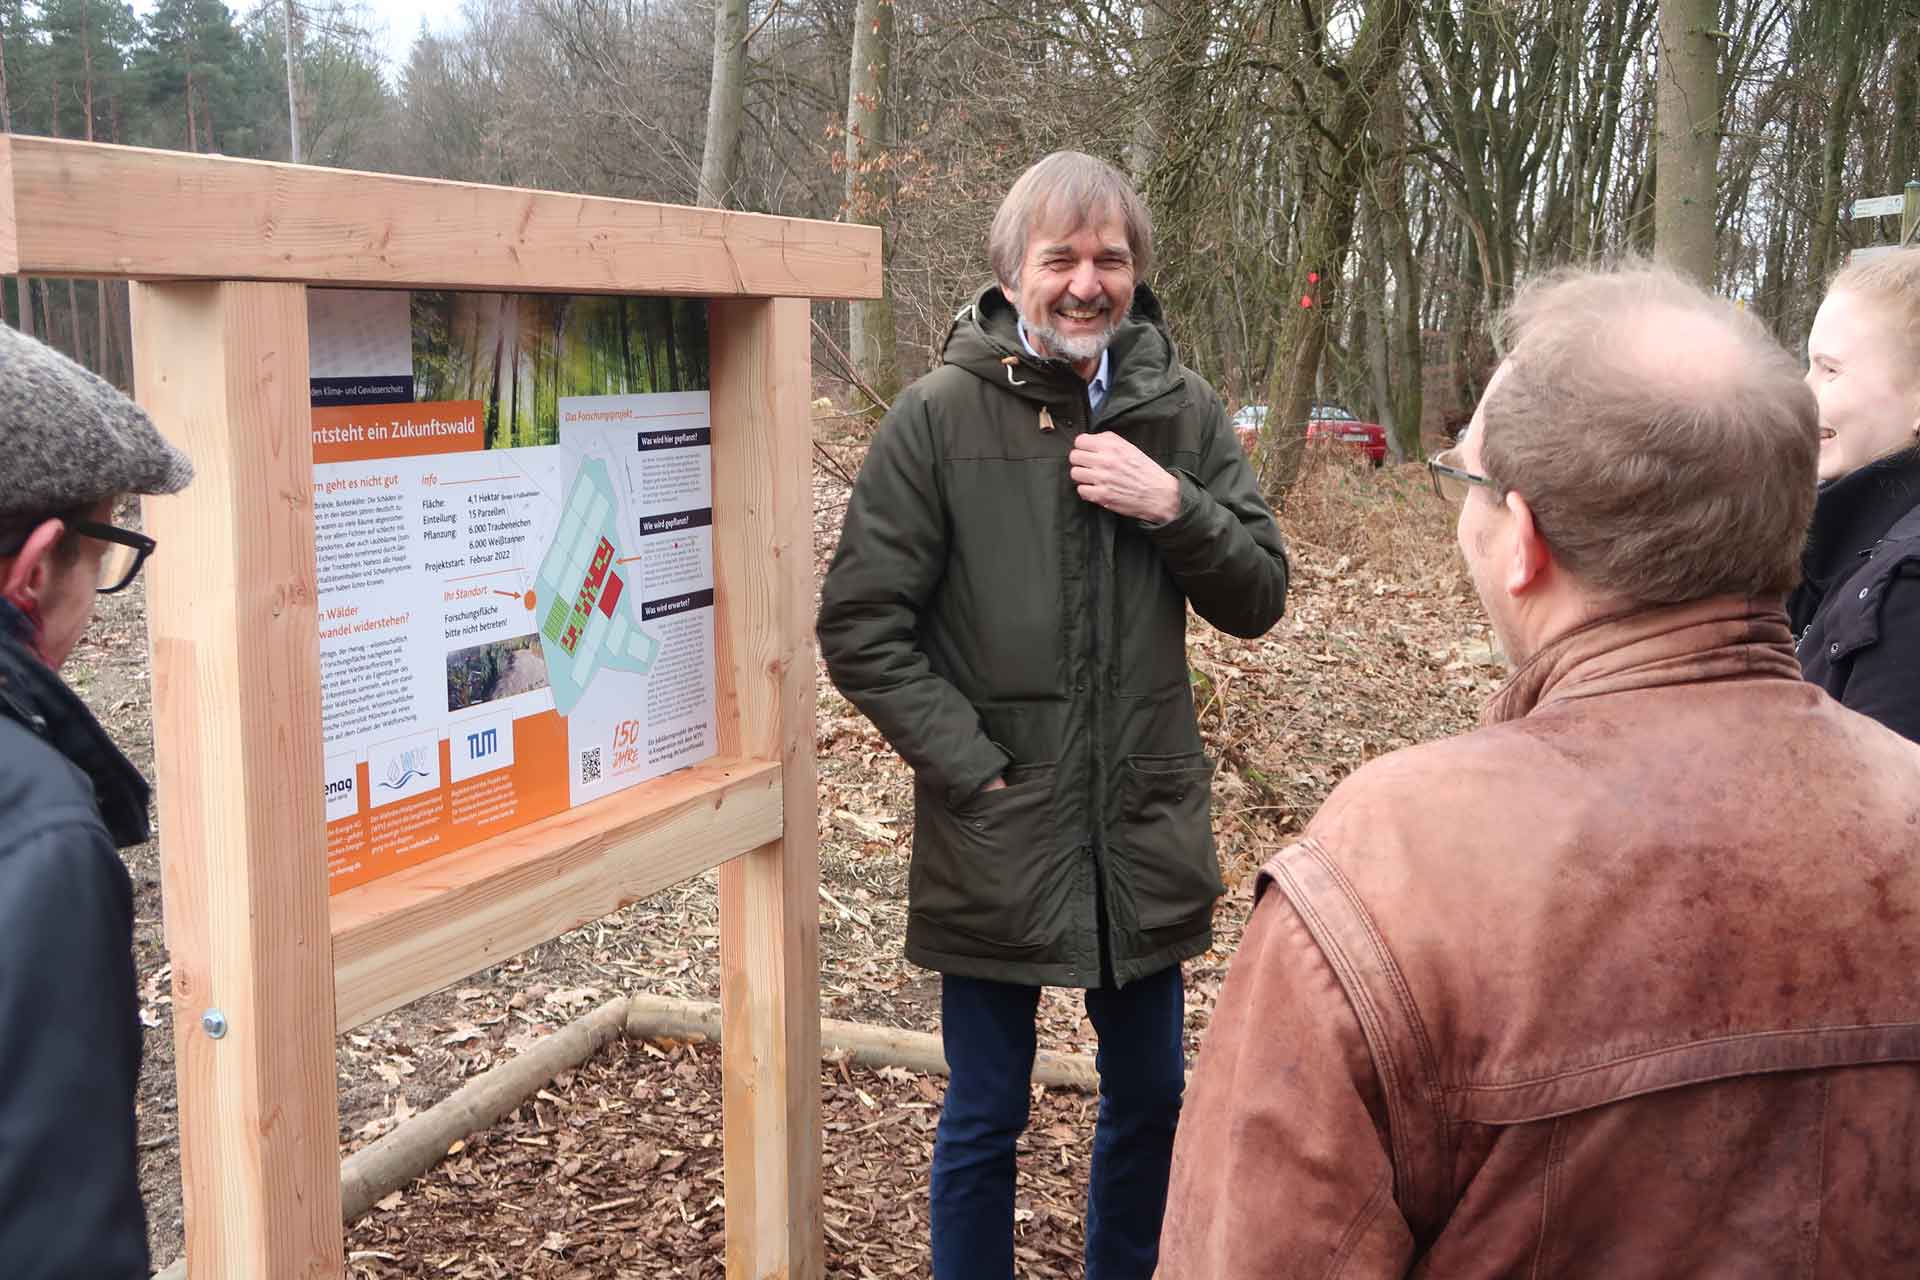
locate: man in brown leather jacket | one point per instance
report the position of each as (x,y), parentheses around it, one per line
(1627,981)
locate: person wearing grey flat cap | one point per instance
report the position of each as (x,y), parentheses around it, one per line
(70,447)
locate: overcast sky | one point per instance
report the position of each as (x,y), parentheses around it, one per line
(402,19)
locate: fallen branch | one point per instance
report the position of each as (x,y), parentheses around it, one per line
(419,1143)
(656,1017)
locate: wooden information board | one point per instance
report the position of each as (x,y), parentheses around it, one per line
(223,253)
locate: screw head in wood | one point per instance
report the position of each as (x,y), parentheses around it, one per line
(214,1023)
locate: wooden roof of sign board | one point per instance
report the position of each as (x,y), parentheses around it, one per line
(89,209)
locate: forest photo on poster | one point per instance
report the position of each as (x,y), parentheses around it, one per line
(519,354)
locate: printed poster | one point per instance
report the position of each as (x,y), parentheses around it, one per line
(513,517)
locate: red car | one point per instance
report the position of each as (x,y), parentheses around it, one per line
(1327,422)
(1331,422)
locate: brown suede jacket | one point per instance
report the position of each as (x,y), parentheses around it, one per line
(1624,983)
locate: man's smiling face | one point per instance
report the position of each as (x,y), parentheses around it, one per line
(1075,287)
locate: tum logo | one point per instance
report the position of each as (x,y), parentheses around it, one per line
(484,743)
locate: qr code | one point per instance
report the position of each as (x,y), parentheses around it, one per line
(590,765)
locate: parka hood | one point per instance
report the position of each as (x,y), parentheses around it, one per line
(984,339)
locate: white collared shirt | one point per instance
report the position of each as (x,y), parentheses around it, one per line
(1096,386)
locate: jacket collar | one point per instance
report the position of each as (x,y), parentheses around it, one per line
(1855,511)
(35,697)
(1721,638)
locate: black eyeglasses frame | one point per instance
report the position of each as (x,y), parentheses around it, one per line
(142,548)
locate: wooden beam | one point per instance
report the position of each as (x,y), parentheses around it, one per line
(769,907)
(89,209)
(236,679)
(420,929)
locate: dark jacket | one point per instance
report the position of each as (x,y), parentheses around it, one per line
(69,1023)
(1624,984)
(991,622)
(1856,617)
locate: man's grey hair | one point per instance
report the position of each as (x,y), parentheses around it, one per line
(1666,443)
(1066,191)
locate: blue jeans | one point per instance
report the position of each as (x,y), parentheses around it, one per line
(988,1031)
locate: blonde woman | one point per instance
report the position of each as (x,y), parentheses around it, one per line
(1856,617)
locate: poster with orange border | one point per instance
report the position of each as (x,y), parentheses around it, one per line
(513,517)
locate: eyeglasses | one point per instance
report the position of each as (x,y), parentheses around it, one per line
(1451,481)
(126,552)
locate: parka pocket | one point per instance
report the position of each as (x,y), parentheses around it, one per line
(1165,839)
(985,868)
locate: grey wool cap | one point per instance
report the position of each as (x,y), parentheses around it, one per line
(69,439)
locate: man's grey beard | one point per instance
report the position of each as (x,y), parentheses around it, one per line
(1086,347)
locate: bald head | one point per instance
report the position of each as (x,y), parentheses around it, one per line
(1665,442)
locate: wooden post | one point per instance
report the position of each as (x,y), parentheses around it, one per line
(236,678)
(1909,212)
(769,910)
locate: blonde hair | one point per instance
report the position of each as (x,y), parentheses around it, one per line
(1667,445)
(1066,185)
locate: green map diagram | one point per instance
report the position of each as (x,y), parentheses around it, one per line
(579,594)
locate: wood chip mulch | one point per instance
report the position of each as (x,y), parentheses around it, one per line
(614,1170)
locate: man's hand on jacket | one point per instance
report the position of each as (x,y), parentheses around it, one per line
(1110,472)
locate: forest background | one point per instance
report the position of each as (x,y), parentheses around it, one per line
(1344,190)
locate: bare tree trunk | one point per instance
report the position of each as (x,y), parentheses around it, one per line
(6,123)
(99,286)
(1850,34)
(872,338)
(1901,160)
(1687,125)
(1144,154)
(293,92)
(73,296)
(1906,104)
(1371,317)
(726,104)
(46,307)
(1358,80)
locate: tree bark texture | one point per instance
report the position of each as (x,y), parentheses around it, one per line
(872,340)
(291,44)
(1687,124)
(726,104)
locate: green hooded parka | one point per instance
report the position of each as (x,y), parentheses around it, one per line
(991,622)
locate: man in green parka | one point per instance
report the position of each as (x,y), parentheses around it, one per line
(1008,606)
